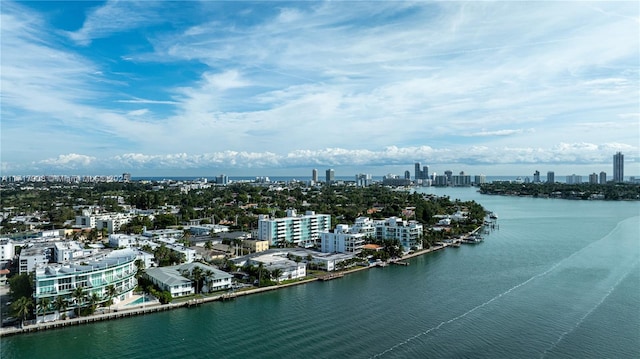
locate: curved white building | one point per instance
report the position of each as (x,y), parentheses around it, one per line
(93,274)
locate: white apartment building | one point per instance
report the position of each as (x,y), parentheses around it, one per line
(7,249)
(172,279)
(93,274)
(34,255)
(67,251)
(111,221)
(303,231)
(409,233)
(342,240)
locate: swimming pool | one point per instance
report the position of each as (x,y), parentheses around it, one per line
(137,301)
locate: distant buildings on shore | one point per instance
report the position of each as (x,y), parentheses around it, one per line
(421,177)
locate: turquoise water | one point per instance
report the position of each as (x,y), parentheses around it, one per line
(137,302)
(559,279)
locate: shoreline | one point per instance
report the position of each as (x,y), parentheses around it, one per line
(157,307)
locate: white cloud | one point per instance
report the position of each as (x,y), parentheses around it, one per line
(333,83)
(113,17)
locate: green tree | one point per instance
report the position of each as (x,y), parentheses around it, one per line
(42,306)
(60,305)
(79,296)
(94,299)
(111,292)
(22,308)
(276,273)
(21,285)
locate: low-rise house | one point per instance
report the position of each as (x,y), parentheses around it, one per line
(174,279)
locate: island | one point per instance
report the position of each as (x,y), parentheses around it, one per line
(88,251)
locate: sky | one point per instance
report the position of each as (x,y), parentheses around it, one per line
(278,88)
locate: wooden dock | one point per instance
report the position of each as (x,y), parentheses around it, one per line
(331,276)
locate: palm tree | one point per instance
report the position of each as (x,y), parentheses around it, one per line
(78,295)
(60,304)
(43,305)
(196,275)
(208,274)
(22,308)
(93,301)
(276,273)
(111,292)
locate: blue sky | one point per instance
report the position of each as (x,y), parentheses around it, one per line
(278,88)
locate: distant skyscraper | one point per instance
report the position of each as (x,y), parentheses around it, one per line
(363,180)
(425,172)
(551,177)
(448,174)
(126,177)
(536,176)
(618,167)
(574,179)
(330,176)
(603,177)
(314,175)
(418,172)
(593,178)
(407,174)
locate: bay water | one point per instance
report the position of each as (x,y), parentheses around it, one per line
(557,279)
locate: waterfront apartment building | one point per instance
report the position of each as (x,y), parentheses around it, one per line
(618,167)
(603,177)
(461,180)
(551,177)
(593,178)
(536,176)
(174,279)
(116,268)
(303,231)
(479,179)
(342,240)
(409,233)
(314,175)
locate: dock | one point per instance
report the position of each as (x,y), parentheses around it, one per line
(331,276)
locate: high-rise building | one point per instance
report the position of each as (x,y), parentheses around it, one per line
(418,171)
(618,167)
(222,180)
(479,179)
(314,175)
(330,176)
(551,177)
(303,231)
(448,174)
(425,172)
(603,177)
(536,176)
(126,177)
(574,179)
(363,180)
(407,175)
(593,178)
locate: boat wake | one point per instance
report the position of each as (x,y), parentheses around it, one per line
(432,329)
(551,269)
(588,313)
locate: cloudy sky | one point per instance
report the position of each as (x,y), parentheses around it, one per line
(278,88)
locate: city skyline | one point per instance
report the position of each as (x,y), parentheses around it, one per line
(204,88)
